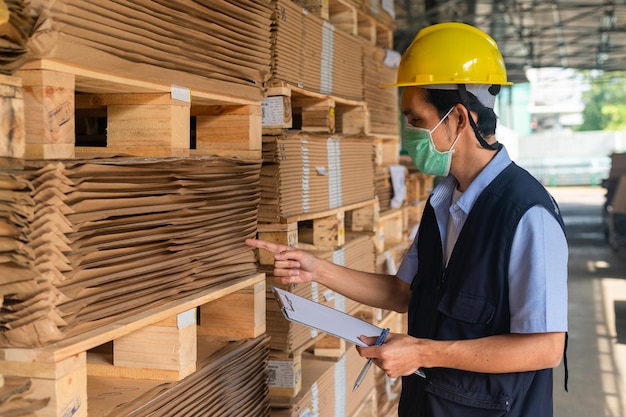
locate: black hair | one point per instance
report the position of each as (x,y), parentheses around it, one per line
(444,100)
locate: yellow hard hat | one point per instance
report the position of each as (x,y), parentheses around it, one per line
(451,53)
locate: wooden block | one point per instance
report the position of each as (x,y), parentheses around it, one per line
(319,8)
(168,345)
(392,224)
(237,316)
(366,26)
(139,126)
(228,128)
(12,131)
(414,186)
(63,384)
(391,151)
(352,120)
(276,113)
(330,347)
(343,16)
(48,113)
(327,233)
(365,219)
(318,114)
(284,234)
(285,375)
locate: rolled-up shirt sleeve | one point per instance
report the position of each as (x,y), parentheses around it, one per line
(408,267)
(538,274)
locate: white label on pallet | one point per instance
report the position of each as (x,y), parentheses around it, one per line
(272,110)
(388,6)
(283,374)
(186,319)
(181,93)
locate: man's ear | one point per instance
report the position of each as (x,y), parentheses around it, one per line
(462,118)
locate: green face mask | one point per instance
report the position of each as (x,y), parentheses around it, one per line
(419,144)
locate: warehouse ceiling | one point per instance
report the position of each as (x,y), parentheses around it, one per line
(573,34)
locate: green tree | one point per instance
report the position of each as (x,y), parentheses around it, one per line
(605,101)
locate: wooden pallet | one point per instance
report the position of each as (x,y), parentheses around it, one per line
(287,106)
(355,18)
(124,115)
(159,344)
(320,230)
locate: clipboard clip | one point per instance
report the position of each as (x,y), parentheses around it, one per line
(281,303)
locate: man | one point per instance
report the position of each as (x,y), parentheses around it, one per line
(485,281)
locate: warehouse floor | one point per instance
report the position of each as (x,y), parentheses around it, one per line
(597,312)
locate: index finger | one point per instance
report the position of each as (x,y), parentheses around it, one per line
(264,244)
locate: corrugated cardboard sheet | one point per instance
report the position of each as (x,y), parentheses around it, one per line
(15,27)
(310,53)
(231,381)
(384,117)
(309,173)
(99,240)
(226,40)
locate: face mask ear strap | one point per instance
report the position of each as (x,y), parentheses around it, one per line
(465,101)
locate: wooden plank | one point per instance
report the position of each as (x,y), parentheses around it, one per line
(240,315)
(97,81)
(12,133)
(48,114)
(70,346)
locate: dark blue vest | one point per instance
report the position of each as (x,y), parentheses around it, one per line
(468,300)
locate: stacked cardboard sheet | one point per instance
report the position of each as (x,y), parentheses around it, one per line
(16,24)
(384,190)
(310,53)
(382,102)
(113,237)
(287,42)
(12,398)
(227,40)
(308,173)
(327,387)
(18,271)
(231,381)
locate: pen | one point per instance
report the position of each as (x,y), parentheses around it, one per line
(366,367)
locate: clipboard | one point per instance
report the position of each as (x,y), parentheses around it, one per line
(323,318)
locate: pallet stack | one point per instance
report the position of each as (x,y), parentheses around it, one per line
(137,155)
(326,127)
(128,290)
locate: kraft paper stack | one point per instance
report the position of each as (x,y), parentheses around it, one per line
(231,381)
(327,387)
(312,54)
(218,40)
(287,43)
(382,102)
(112,237)
(309,173)
(15,27)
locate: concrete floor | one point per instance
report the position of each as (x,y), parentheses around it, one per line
(597,312)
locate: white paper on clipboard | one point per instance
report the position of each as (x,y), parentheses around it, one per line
(326,319)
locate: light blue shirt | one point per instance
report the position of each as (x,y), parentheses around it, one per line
(539,254)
